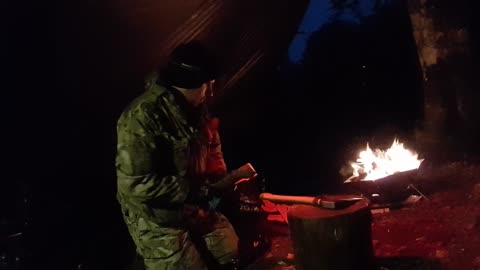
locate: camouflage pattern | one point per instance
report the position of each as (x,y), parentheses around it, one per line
(161,160)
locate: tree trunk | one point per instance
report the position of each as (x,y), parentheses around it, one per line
(331,239)
(443,45)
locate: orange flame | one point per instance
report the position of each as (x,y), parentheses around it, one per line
(378,164)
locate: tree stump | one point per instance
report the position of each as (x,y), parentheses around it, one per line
(328,239)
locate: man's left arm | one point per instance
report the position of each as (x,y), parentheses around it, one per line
(216,164)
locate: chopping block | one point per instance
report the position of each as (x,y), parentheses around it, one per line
(332,239)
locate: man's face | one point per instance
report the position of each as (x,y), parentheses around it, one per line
(200,95)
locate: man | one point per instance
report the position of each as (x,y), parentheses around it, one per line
(169,163)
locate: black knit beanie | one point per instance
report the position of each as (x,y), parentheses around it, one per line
(190,65)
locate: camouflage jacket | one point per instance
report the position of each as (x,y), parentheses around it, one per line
(162,156)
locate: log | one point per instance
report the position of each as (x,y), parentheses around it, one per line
(329,239)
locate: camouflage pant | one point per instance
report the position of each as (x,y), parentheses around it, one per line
(165,248)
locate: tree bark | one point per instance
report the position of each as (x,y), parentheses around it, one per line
(440,28)
(331,239)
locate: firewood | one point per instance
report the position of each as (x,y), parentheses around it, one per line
(392,188)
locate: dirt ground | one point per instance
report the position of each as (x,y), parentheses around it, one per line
(440,232)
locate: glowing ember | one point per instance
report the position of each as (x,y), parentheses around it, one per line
(372,165)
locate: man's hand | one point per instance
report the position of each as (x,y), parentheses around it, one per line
(244,173)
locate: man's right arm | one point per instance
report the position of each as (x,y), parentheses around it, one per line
(137,162)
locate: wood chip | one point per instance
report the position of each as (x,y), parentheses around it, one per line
(441,253)
(380,211)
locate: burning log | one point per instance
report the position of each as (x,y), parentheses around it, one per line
(393,190)
(390,189)
(372,165)
(384,176)
(329,232)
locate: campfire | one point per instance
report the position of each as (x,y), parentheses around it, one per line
(376,164)
(385,176)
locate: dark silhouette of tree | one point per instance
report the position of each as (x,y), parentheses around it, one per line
(446,42)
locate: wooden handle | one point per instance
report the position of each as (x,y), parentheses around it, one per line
(290,199)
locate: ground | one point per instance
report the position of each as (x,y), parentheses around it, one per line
(440,232)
